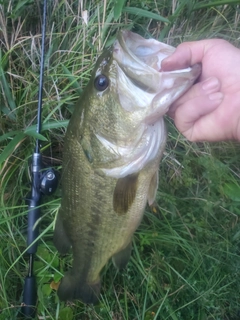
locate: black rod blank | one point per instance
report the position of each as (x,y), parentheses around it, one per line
(28,309)
(40,93)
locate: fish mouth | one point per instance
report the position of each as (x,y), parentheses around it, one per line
(146,52)
(141,60)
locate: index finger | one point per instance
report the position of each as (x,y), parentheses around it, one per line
(186,54)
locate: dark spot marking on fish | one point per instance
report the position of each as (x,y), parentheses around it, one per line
(101,82)
(125,193)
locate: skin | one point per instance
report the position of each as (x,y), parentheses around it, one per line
(209,110)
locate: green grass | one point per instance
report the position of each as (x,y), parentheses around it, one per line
(186,257)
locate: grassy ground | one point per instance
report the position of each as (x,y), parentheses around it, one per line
(186,257)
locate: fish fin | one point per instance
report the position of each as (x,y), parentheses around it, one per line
(87,149)
(72,288)
(124,193)
(60,238)
(120,259)
(152,191)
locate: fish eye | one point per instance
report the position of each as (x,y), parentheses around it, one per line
(101,82)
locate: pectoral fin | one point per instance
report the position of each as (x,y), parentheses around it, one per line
(124,193)
(87,149)
(120,259)
(153,189)
(60,238)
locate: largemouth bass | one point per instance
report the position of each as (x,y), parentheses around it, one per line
(112,150)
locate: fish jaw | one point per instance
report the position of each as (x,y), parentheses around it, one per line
(140,60)
(176,84)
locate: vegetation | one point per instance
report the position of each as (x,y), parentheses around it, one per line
(186,257)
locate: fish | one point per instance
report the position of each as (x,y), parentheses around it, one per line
(113,145)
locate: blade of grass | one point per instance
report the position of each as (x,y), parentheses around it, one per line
(8,150)
(47,126)
(118,6)
(8,95)
(144,13)
(209,4)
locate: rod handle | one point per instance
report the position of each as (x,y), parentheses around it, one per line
(28,310)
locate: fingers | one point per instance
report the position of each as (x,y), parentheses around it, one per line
(200,89)
(186,54)
(191,111)
(198,124)
(209,111)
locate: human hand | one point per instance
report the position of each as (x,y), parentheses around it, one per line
(210,109)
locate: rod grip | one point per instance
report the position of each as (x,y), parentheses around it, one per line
(28,310)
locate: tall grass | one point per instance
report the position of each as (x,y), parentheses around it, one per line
(186,257)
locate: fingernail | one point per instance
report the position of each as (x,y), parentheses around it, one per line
(216,96)
(210,84)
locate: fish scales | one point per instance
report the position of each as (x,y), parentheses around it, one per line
(112,150)
(117,229)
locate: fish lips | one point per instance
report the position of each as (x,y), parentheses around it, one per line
(140,59)
(176,84)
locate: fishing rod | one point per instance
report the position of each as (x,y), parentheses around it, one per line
(43,182)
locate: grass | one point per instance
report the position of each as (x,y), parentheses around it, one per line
(186,256)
